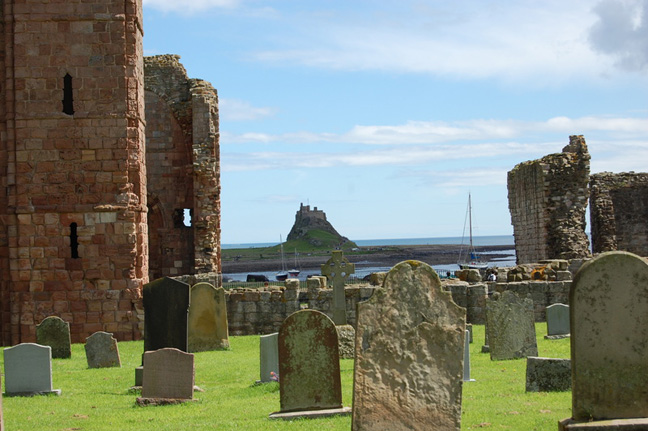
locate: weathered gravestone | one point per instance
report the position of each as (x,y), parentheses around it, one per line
(166,313)
(609,344)
(102,351)
(548,374)
(168,377)
(207,318)
(269,357)
(309,367)
(557,321)
(28,370)
(510,327)
(409,354)
(55,332)
(1,415)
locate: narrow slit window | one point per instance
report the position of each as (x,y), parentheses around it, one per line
(68,102)
(74,241)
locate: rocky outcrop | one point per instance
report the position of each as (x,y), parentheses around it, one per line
(308,220)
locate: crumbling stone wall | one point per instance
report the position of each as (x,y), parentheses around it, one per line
(73,222)
(619,212)
(182,155)
(547,201)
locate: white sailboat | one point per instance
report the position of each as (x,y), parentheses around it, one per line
(283,274)
(471,260)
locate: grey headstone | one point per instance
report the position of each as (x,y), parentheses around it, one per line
(609,338)
(55,332)
(548,374)
(102,351)
(168,373)
(409,354)
(309,363)
(511,327)
(269,356)
(28,370)
(466,363)
(557,320)
(207,318)
(346,341)
(166,307)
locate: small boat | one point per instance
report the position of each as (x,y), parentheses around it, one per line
(473,262)
(294,272)
(283,274)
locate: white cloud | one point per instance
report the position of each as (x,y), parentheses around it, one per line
(240,110)
(190,7)
(622,32)
(437,132)
(467,40)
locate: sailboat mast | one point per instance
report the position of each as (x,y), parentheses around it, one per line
(470,220)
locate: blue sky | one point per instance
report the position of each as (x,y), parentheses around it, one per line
(385,114)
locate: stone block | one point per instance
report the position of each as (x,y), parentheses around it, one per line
(548,374)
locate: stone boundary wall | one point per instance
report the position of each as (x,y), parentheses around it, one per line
(261,311)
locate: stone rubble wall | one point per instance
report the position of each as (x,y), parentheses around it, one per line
(547,201)
(261,311)
(619,212)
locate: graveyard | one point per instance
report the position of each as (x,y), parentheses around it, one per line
(101,398)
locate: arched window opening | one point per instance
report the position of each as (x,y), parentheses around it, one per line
(68,102)
(74,241)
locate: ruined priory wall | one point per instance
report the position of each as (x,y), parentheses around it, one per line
(619,212)
(76,178)
(183,169)
(547,201)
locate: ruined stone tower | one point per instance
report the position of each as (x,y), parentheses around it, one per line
(182,154)
(547,201)
(73,220)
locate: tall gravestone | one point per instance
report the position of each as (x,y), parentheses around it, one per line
(166,307)
(409,354)
(55,332)
(168,374)
(102,351)
(207,318)
(557,321)
(510,326)
(28,370)
(309,367)
(609,343)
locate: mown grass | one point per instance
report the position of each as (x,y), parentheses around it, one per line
(100,399)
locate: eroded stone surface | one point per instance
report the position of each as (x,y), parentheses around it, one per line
(309,363)
(55,332)
(102,351)
(548,374)
(207,318)
(510,327)
(409,354)
(609,338)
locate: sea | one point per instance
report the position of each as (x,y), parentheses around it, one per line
(367,267)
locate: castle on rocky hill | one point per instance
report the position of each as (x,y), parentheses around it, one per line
(308,219)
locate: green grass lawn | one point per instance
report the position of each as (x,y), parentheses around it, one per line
(101,399)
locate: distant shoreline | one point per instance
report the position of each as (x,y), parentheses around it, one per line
(432,254)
